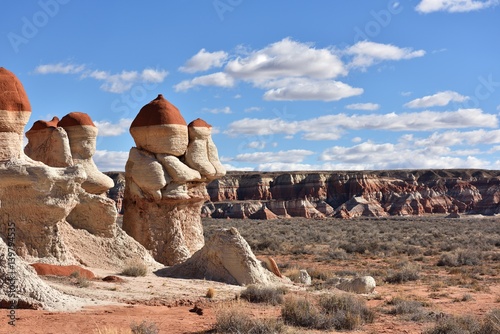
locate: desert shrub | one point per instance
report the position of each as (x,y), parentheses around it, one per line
(82,282)
(297,311)
(337,254)
(135,269)
(491,323)
(319,274)
(410,309)
(346,311)
(263,294)
(235,321)
(210,293)
(145,327)
(405,274)
(456,325)
(333,311)
(463,257)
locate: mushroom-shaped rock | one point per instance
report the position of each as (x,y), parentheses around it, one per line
(160,128)
(82,134)
(49,144)
(15,111)
(202,153)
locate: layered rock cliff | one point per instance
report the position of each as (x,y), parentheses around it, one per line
(348,194)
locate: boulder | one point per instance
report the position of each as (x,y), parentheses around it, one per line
(304,277)
(361,285)
(15,111)
(303,208)
(160,128)
(226,257)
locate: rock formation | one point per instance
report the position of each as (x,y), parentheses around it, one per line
(47,209)
(344,194)
(364,284)
(15,110)
(166,175)
(226,257)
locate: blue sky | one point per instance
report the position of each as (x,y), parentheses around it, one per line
(286,85)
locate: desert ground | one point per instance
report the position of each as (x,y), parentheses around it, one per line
(433,275)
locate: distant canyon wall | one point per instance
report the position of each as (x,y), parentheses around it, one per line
(348,194)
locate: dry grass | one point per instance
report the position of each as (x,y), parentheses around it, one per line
(135,268)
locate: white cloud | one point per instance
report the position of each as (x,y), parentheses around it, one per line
(203,61)
(291,70)
(332,125)
(357,140)
(225,110)
(59,68)
(219,79)
(453,6)
(110,160)
(234,168)
(363,106)
(438,99)
(452,138)
(369,156)
(367,53)
(306,89)
(113,83)
(258,144)
(286,58)
(406,93)
(291,156)
(237,96)
(251,109)
(108,129)
(282,166)
(122,82)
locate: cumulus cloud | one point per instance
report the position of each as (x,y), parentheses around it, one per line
(439,99)
(225,110)
(363,106)
(333,125)
(59,68)
(287,58)
(366,53)
(109,129)
(452,138)
(306,89)
(251,109)
(110,160)
(257,144)
(291,70)
(369,155)
(112,82)
(219,79)
(453,6)
(203,61)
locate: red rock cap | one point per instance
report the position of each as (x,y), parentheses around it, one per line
(158,112)
(12,94)
(40,125)
(199,123)
(75,119)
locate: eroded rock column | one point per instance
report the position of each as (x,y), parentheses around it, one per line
(165,185)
